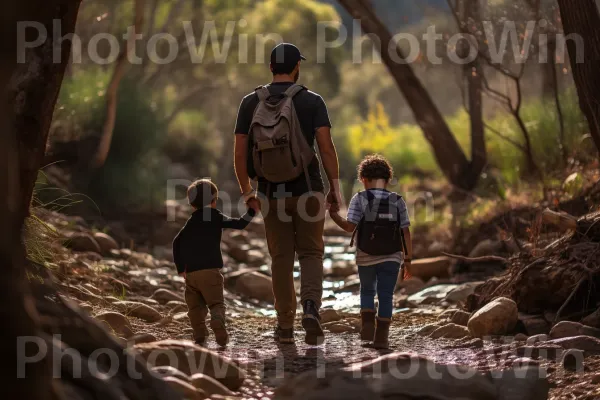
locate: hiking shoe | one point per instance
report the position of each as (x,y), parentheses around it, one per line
(367,327)
(202,336)
(284,336)
(382,333)
(311,322)
(220,331)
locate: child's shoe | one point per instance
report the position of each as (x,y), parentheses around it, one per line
(220,331)
(201,338)
(367,329)
(382,333)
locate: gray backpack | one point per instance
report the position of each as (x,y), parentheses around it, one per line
(279,152)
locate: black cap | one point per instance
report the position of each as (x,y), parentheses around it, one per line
(284,58)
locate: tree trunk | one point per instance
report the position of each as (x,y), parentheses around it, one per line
(581,17)
(448,153)
(28,94)
(113,88)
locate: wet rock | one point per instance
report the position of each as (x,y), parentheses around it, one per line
(498,317)
(588,344)
(592,320)
(142,338)
(185,389)
(209,385)
(256,286)
(427,329)
(329,315)
(166,370)
(460,317)
(450,331)
(431,295)
(82,242)
(534,325)
(118,323)
(567,328)
(106,243)
(337,327)
(163,296)
(189,358)
(138,310)
(410,286)
(462,292)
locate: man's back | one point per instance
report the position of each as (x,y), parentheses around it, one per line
(312,114)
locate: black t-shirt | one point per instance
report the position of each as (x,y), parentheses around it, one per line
(198,245)
(312,114)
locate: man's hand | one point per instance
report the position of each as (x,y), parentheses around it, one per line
(334,200)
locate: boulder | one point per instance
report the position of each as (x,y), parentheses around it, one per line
(521,337)
(329,315)
(82,242)
(427,268)
(185,389)
(593,319)
(590,345)
(450,331)
(462,292)
(209,385)
(534,325)
(460,317)
(427,329)
(498,317)
(256,286)
(446,315)
(117,322)
(487,247)
(138,310)
(567,328)
(106,243)
(410,286)
(163,296)
(191,359)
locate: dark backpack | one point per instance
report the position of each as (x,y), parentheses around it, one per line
(378,233)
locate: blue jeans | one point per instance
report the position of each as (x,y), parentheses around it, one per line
(380,279)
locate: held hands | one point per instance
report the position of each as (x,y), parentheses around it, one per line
(407,265)
(334,201)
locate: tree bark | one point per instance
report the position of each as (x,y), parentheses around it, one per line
(581,17)
(113,88)
(28,94)
(448,153)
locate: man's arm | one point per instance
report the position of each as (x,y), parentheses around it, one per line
(239,162)
(329,158)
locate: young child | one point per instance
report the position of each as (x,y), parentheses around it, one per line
(380,221)
(197,255)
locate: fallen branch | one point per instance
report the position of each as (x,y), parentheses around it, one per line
(564,221)
(472,260)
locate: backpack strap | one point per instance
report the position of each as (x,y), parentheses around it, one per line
(294,90)
(263,93)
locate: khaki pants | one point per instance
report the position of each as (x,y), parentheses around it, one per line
(295,225)
(204,292)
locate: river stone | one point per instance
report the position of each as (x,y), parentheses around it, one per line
(461,292)
(410,286)
(138,310)
(592,320)
(427,329)
(165,371)
(336,327)
(431,295)
(142,338)
(568,328)
(497,318)
(256,286)
(117,322)
(450,331)
(106,243)
(185,389)
(82,242)
(191,359)
(460,317)
(329,315)
(588,344)
(209,385)
(163,296)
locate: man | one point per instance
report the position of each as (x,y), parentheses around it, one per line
(294,211)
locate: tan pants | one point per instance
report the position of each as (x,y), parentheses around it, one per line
(295,225)
(204,292)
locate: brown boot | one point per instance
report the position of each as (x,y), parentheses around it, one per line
(382,332)
(201,336)
(220,331)
(367,329)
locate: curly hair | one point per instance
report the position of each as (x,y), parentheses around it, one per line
(374,167)
(201,193)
